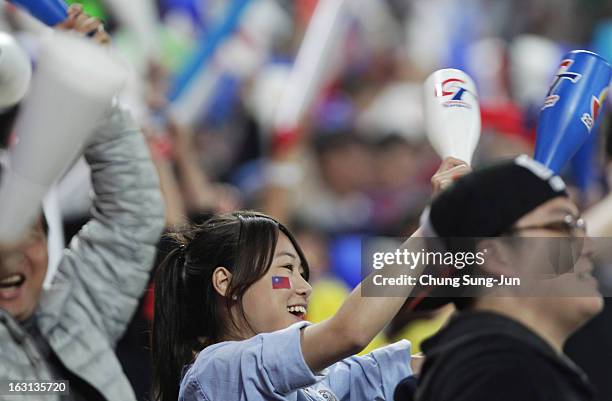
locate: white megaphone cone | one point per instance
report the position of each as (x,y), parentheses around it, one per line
(15,71)
(72,88)
(452,114)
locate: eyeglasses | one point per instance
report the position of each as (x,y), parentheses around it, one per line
(570,225)
(563,252)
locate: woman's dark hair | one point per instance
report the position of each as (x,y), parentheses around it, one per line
(188,311)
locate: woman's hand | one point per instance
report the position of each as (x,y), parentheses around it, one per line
(80,22)
(450,170)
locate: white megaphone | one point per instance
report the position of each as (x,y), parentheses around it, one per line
(452,114)
(15,71)
(72,88)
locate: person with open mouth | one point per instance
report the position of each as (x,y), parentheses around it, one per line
(69,331)
(231,301)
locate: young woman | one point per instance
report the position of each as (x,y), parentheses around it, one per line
(230,300)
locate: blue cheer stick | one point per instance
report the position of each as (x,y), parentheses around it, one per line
(207,48)
(583,164)
(50,12)
(572,108)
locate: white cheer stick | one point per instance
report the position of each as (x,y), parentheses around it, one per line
(15,71)
(72,88)
(311,64)
(452,114)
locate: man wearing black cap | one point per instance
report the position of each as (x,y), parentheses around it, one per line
(507,345)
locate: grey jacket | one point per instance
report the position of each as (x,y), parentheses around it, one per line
(102,274)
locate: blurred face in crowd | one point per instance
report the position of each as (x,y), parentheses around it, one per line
(397,164)
(22,271)
(267,308)
(557,251)
(347,167)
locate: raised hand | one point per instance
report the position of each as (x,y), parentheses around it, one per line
(79,21)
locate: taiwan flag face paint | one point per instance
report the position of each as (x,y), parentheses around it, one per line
(279,282)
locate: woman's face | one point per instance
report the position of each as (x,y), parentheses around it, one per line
(280,297)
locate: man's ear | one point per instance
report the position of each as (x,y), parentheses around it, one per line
(496,256)
(221,278)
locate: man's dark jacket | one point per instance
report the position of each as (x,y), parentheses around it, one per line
(483,356)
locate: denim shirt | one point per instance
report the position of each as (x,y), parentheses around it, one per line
(270,366)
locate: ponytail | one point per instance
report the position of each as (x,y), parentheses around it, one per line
(170,343)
